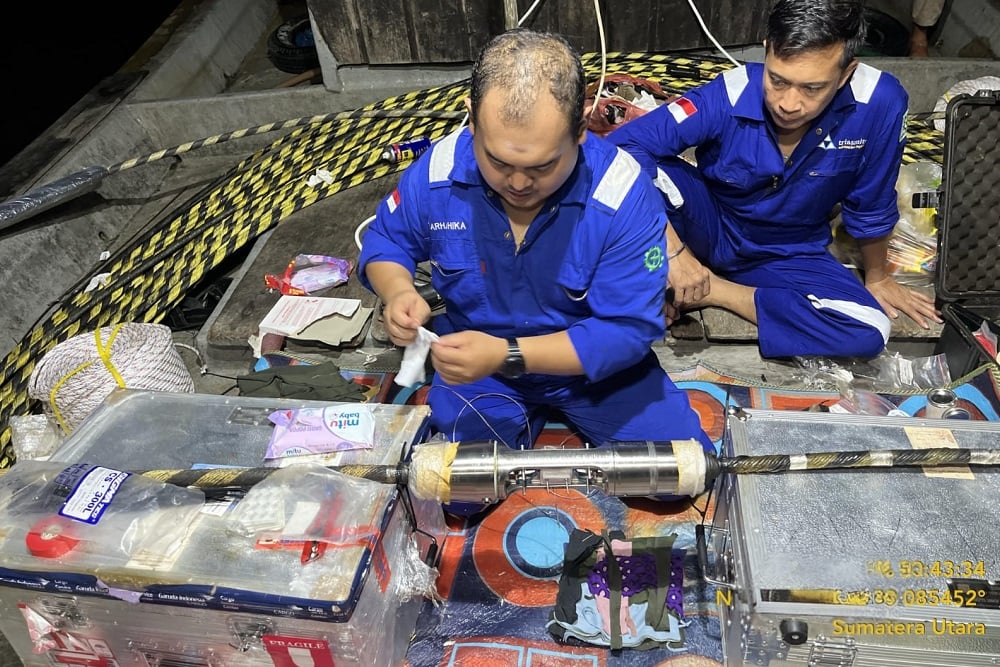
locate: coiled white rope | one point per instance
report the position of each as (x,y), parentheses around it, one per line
(75,376)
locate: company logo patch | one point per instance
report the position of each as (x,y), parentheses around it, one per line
(392,201)
(827,144)
(851,144)
(653,259)
(681,109)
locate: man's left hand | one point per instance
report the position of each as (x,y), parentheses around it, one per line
(894,299)
(467,356)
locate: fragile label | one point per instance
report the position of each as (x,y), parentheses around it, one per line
(289,651)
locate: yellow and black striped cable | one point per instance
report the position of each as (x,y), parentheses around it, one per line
(154,273)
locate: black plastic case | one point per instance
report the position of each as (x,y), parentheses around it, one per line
(968,268)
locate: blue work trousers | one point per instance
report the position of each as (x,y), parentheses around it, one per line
(807,303)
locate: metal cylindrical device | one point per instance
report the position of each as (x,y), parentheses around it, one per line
(939,401)
(488,472)
(957,412)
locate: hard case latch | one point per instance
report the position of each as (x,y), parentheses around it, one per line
(930,199)
(248,632)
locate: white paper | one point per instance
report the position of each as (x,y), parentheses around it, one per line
(292,314)
(411,368)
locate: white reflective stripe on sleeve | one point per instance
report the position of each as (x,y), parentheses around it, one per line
(873,317)
(863,82)
(617,180)
(665,185)
(443,158)
(736,82)
(797,462)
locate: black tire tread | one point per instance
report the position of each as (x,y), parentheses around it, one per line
(284,54)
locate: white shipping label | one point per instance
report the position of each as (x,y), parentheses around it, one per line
(92,494)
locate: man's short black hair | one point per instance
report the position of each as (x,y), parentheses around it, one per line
(797,26)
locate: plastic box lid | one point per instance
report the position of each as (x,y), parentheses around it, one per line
(197,558)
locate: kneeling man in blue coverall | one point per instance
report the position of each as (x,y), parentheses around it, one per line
(547,246)
(779,145)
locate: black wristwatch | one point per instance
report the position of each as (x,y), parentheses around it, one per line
(513,366)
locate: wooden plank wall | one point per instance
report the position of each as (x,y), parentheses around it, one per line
(384,32)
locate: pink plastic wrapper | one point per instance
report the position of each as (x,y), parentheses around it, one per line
(320,430)
(307,274)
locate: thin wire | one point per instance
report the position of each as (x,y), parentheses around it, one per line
(604,57)
(360,228)
(202,366)
(468,404)
(708,503)
(224,377)
(718,479)
(528,12)
(709,34)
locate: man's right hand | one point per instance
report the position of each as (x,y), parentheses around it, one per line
(403,314)
(690,280)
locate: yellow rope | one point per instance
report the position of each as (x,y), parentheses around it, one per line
(55,391)
(104,352)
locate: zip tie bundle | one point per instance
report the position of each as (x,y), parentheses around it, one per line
(74,377)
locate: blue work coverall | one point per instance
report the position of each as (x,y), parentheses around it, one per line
(759,221)
(592,263)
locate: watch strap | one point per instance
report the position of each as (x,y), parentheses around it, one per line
(513,366)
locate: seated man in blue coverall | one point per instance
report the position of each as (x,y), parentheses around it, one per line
(779,145)
(546,244)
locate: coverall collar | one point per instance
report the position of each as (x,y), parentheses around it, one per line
(575,190)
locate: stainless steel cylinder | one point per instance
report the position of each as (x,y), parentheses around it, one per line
(487,472)
(939,401)
(956,412)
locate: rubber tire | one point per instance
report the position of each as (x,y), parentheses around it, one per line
(886,36)
(291,47)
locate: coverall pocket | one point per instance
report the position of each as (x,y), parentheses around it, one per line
(737,176)
(573,295)
(456,276)
(847,164)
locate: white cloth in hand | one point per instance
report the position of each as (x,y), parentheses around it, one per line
(411,369)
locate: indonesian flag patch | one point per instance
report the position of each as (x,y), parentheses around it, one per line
(681,109)
(392,201)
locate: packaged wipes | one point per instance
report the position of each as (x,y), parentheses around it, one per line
(320,430)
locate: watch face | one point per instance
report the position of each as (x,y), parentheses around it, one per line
(513,366)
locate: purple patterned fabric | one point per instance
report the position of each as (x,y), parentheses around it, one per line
(675,594)
(638,574)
